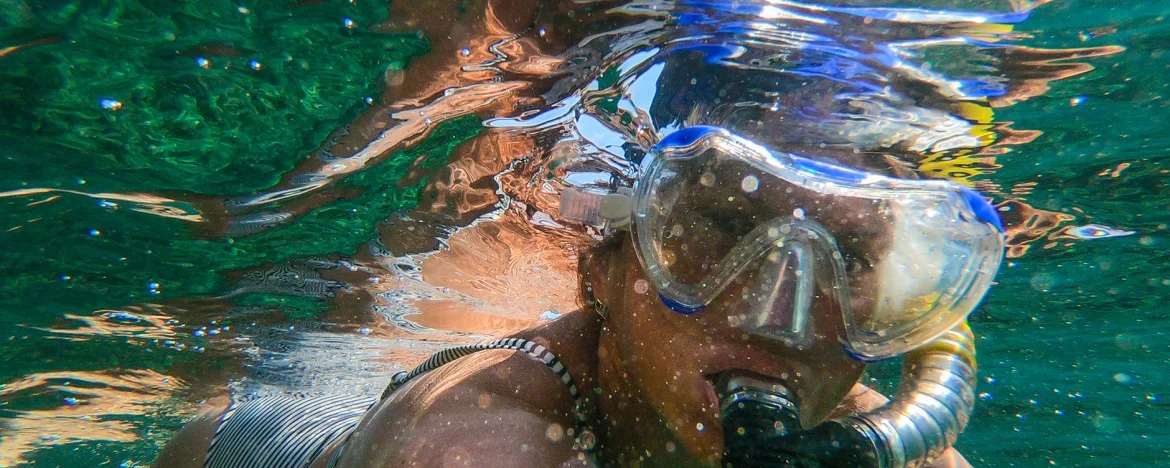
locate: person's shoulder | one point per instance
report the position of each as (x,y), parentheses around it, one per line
(499,379)
(492,408)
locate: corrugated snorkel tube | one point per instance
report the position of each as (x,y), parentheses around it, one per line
(931,407)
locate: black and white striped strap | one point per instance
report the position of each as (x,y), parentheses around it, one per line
(586,440)
(282,431)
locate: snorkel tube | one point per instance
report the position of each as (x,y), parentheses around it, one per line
(923,420)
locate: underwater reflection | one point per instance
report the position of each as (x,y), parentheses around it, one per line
(571,97)
(98,406)
(560,94)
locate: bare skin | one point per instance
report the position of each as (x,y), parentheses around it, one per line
(645,364)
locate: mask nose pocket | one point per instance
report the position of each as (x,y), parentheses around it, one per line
(777,303)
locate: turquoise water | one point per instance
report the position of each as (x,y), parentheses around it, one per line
(135,137)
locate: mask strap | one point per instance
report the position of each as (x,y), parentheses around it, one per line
(612,210)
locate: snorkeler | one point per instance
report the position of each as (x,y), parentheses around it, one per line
(732,307)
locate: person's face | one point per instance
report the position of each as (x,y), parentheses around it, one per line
(672,361)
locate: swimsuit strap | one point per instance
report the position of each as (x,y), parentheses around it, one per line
(586,440)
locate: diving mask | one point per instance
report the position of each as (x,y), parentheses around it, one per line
(715,214)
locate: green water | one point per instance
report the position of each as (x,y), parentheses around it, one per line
(1072,347)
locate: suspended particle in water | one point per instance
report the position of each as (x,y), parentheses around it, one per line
(1042,282)
(1076,101)
(641,286)
(255,65)
(71,401)
(111,104)
(202,62)
(243,10)
(707,179)
(750,183)
(466,52)
(94,233)
(348,22)
(798,213)
(1123,378)
(364,330)
(555,432)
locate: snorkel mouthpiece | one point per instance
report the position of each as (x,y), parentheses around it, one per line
(761,424)
(761,428)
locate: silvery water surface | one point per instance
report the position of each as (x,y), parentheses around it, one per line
(246,197)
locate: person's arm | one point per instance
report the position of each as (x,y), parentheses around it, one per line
(862,399)
(496,409)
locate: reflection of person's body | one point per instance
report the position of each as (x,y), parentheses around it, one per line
(732,322)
